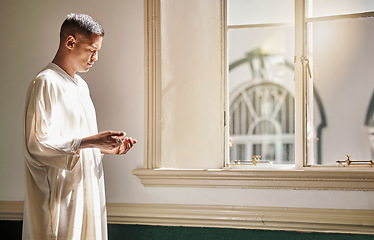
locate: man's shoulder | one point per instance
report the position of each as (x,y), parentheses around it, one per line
(51,70)
(47,74)
(47,78)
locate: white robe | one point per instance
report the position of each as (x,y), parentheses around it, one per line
(65,196)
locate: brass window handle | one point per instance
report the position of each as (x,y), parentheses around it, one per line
(255,159)
(349,162)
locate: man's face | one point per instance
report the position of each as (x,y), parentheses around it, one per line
(85,52)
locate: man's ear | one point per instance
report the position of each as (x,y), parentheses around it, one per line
(70,42)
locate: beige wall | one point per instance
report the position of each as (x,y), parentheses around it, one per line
(29,35)
(29,40)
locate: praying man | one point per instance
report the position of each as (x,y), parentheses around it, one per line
(65,197)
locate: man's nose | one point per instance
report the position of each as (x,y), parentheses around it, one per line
(95,56)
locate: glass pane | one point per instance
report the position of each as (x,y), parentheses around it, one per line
(261,94)
(319,8)
(341,99)
(241,12)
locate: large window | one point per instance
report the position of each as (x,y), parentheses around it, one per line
(228,81)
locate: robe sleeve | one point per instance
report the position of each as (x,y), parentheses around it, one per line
(46,145)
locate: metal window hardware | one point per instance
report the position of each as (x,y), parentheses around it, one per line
(255,160)
(305,62)
(349,162)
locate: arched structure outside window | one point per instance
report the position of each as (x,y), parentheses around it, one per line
(262,123)
(262,112)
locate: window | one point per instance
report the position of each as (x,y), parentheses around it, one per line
(261,89)
(338,53)
(260,51)
(188,111)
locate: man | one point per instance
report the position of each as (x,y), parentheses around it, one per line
(63,149)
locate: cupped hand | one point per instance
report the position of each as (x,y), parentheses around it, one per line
(123,148)
(107,140)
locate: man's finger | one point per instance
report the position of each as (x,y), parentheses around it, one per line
(118,137)
(117,133)
(121,149)
(130,141)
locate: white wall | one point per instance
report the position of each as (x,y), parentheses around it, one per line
(29,37)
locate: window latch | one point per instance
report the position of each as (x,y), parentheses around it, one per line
(305,61)
(349,162)
(256,159)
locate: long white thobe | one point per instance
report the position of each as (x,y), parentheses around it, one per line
(65,196)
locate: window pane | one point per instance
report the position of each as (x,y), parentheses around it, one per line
(241,12)
(319,8)
(261,93)
(341,102)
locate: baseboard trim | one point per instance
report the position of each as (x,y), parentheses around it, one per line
(11,210)
(264,218)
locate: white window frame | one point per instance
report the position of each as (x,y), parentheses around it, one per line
(298,177)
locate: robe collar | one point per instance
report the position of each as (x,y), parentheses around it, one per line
(62,72)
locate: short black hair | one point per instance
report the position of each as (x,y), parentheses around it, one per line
(76,23)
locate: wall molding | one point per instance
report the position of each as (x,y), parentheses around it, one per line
(222,216)
(311,179)
(11,210)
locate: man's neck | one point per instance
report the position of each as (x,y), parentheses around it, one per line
(61,62)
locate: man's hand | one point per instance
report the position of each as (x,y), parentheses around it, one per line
(110,142)
(123,148)
(106,140)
